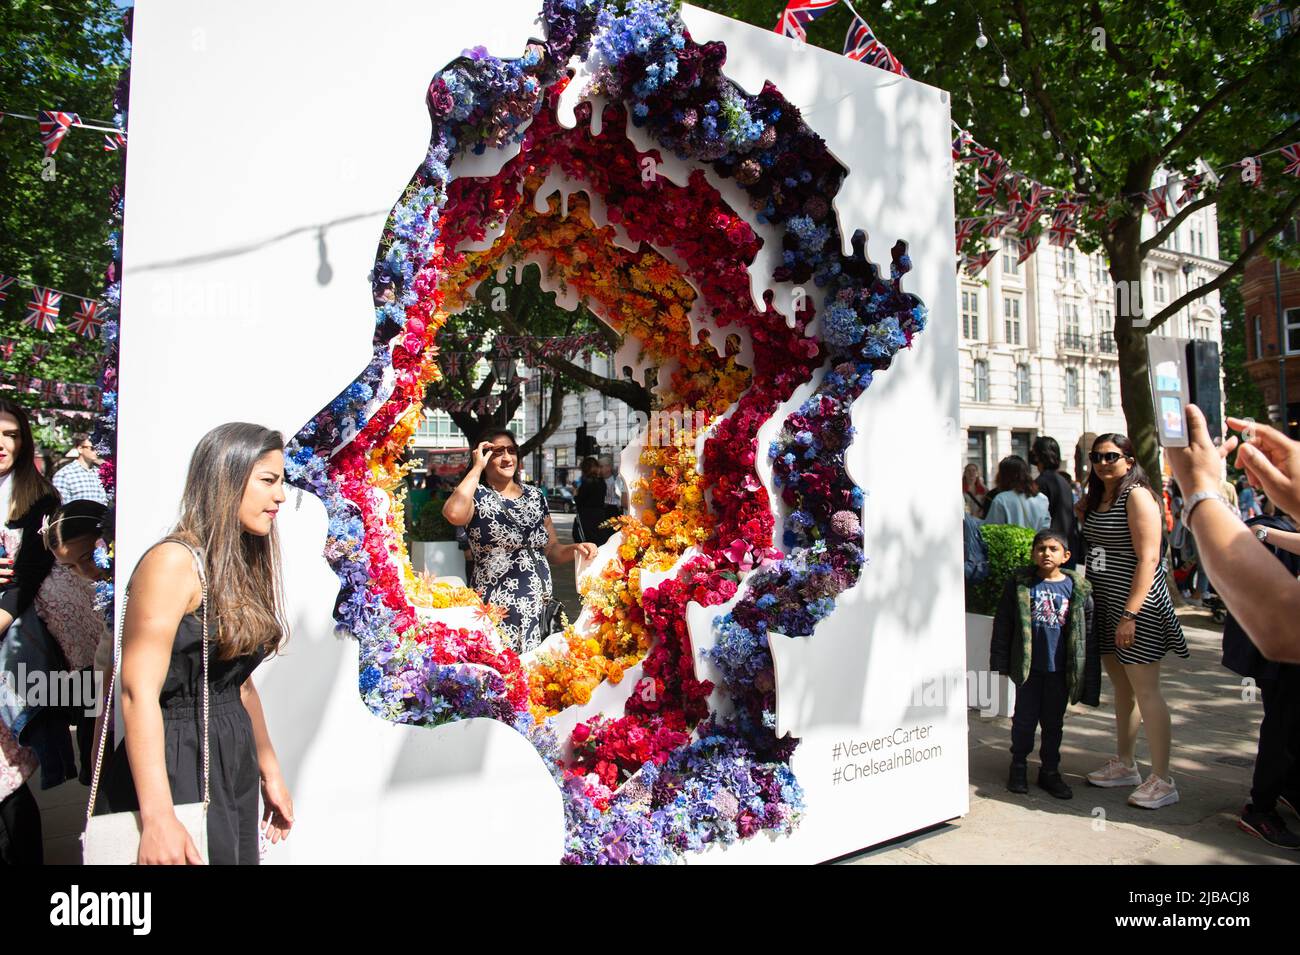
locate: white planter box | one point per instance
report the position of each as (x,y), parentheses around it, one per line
(440,558)
(990,693)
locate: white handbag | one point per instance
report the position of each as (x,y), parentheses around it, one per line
(114,838)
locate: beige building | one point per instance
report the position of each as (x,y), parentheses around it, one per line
(1037,344)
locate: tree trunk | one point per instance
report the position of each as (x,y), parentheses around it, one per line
(1124,249)
(553,419)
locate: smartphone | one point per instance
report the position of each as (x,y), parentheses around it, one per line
(1203,384)
(1170,394)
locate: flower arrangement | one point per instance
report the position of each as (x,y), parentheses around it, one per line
(671,774)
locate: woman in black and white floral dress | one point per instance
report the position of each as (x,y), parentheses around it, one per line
(511,538)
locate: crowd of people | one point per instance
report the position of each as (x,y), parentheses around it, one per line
(1056,630)
(205,608)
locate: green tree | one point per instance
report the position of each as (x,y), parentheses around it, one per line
(518,309)
(1123,90)
(55,216)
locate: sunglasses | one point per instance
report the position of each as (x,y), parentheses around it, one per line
(498,452)
(1110,457)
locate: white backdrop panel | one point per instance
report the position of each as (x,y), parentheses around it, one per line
(269,141)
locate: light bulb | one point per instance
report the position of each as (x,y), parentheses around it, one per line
(1024,106)
(1004,80)
(1060,156)
(1047,134)
(981,41)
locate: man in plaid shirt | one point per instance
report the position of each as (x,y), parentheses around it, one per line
(79,479)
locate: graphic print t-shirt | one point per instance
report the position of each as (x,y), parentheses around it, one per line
(1049,608)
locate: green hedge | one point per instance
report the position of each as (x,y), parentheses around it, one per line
(430,525)
(1010,547)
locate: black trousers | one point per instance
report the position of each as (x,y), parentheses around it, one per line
(20,829)
(1040,701)
(1277,762)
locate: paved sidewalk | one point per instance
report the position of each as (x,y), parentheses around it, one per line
(1214,736)
(1214,750)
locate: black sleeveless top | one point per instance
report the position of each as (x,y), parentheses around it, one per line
(183,686)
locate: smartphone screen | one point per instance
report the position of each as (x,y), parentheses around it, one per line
(1169,391)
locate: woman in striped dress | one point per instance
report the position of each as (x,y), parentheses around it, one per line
(1136,624)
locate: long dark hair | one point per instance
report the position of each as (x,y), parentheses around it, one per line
(1013,475)
(1136,475)
(29,485)
(245,594)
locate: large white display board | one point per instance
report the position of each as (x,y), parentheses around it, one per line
(268,143)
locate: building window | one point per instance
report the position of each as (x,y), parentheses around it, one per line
(1011,319)
(1071,387)
(1158,287)
(1293,331)
(1024,389)
(1072,321)
(562,456)
(1021,442)
(1259,338)
(981,380)
(1100,274)
(970,314)
(1103,390)
(1010,256)
(1067,261)
(1105,331)
(1203,331)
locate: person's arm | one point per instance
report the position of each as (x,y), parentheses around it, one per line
(1288,541)
(1144,530)
(558,553)
(163,589)
(1257,589)
(459,507)
(31,565)
(275,794)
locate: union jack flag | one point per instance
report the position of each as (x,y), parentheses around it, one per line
(43,312)
(47,390)
(1028,246)
(1013,189)
(1292,156)
(22,382)
(861,44)
(1027,221)
(1103,212)
(114,142)
(1157,203)
(54,126)
(1036,191)
(995,225)
(1061,231)
(39,351)
(958,144)
(799,13)
(964,229)
(987,190)
(7,348)
(87,321)
(5,282)
(975,263)
(987,157)
(1191,186)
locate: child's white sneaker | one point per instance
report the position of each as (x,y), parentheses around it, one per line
(1154,793)
(1115,773)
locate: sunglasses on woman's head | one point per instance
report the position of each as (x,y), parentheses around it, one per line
(1110,457)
